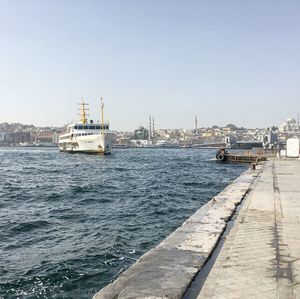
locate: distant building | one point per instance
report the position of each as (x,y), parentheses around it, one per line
(141,133)
(2,136)
(55,138)
(290,125)
(17,137)
(44,137)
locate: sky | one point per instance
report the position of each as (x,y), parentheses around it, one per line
(227,61)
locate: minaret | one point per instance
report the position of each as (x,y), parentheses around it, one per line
(196,125)
(152,127)
(149,137)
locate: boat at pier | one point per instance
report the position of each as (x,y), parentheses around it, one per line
(87,136)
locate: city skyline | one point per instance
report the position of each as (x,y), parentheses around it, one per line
(226,63)
(146,125)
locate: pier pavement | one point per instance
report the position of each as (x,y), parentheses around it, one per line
(260,257)
(261,254)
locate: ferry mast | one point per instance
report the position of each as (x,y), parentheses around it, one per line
(83,112)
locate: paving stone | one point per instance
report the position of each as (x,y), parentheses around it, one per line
(260,257)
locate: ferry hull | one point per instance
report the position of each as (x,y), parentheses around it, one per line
(90,152)
(93,144)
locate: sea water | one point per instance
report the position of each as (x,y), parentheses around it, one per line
(70,223)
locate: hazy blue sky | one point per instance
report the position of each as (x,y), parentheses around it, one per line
(224,61)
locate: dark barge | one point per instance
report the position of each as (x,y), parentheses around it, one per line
(248,157)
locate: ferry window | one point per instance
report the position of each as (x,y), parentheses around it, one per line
(75,127)
(97,127)
(79,127)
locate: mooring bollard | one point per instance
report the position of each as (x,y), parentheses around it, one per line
(253,166)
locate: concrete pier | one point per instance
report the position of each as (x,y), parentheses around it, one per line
(260,257)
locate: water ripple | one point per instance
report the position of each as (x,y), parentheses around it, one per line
(69,224)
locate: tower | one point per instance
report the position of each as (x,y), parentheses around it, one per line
(152,127)
(196,125)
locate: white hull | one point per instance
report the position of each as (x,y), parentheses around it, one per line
(93,144)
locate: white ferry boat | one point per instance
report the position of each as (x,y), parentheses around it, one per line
(87,136)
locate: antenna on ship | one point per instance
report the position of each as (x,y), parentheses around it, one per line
(83,112)
(102,113)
